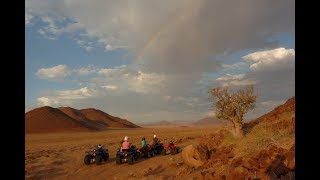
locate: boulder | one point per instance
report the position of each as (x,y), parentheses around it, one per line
(191,156)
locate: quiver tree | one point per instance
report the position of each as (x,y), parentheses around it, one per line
(232,106)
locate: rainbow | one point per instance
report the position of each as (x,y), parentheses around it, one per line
(195,4)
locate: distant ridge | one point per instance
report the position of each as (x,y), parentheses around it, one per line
(209,121)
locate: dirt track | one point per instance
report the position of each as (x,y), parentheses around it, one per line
(60,155)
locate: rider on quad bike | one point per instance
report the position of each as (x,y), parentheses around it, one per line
(146,149)
(171,148)
(96,155)
(157,146)
(127,152)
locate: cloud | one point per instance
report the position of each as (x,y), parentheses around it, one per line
(86,70)
(274,71)
(28,18)
(47,101)
(67,97)
(271,59)
(235,80)
(234,66)
(169,36)
(82,93)
(110,87)
(88,46)
(173,42)
(228,77)
(59,72)
(147,82)
(54,73)
(243,82)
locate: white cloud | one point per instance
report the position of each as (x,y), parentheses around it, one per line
(86,70)
(54,73)
(235,80)
(110,87)
(229,77)
(117,71)
(67,97)
(271,59)
(28,18)
(88,46)
(242,82)
(147,82)
(47,101)
(82,93)
(234,66)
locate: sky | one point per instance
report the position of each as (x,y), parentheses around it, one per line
(150,60)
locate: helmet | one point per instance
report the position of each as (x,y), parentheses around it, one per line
(99,146)
(154,136)
(126,138)
(143,138)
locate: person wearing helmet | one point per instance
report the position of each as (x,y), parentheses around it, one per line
(125,144)
(143,143)
(155,140)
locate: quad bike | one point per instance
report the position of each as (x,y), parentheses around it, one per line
(157,148)
(171,148)
(147,152)
(96,155)
(129,156)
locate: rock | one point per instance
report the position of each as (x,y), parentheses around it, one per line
(209,176)
(238,173)
(191,156)
(250,164)
(289,161)
(204,152)
(223,177)
(277,168)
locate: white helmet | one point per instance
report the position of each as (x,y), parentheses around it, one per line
(126,138)
(99,146)
(154,136)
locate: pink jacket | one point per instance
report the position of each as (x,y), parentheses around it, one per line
(125,145)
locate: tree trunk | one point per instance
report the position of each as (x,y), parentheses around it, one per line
(237,129)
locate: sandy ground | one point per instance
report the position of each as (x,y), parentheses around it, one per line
(60,155)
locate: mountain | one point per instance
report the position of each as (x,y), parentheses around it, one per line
(111,121)
(65,119)
(209,121)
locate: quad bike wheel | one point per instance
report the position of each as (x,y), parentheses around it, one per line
(106,157)
(163,152)
(87,159)
(130,159)
(173,151)
(98,159)
(118,159)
